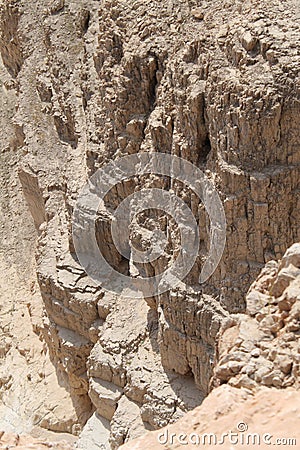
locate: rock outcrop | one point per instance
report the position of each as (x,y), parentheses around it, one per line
(217,84)
(256,353)
(32,394)
(235,420)
(23,442)
(262,347)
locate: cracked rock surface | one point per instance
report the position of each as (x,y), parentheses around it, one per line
(262,415)
(214,82)
(261,348)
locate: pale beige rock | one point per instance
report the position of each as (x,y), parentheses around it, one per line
(95,434)
(230,409)
(267,341)
(291,256)
(127,423)
(26,442)
(32,393)
(105,397)
(90,81)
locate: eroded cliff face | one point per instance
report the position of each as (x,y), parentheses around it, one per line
(215,83)
(261,348)
(259,419)
(31,394)
(256,375)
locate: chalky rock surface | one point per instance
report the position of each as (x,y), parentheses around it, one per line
(24,442)
(216,83)
(261,348)
(235,420)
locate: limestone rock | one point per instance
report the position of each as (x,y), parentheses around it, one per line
(104,396)
(265,413)
(85,82)
(267,341)
(95,434)
(26,442)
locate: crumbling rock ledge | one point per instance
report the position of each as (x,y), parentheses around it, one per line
(216,84)
(262,347)
(256,353)
(253,350)
(231,410)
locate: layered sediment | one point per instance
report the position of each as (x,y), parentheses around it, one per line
(215,83)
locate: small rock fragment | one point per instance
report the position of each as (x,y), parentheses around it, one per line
(197,14)
(285,364)
(255,353)
(248,41)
